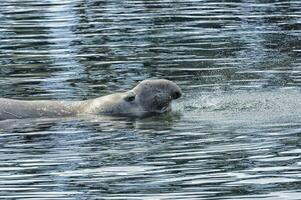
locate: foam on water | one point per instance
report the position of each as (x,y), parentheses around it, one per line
(249,106)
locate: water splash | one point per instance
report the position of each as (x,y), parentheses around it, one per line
(249,106)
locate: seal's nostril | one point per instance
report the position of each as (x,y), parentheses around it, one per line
(177,95)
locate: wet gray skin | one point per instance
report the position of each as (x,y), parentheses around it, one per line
(148,97)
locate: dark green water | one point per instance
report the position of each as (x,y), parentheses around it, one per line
(235,134)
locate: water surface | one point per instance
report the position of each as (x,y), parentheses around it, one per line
(235,134)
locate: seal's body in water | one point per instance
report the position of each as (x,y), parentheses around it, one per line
(149,96)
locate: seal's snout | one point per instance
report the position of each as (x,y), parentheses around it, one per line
(176,91)
(176,94)
(156,95)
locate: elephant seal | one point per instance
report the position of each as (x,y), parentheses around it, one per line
(148,97)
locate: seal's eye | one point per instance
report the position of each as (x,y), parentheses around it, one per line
(129,96)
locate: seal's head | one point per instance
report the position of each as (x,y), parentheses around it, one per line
(148,97)
(155,96)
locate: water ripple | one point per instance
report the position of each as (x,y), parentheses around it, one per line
(234,135)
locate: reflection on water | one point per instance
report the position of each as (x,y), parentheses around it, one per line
(234,135)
